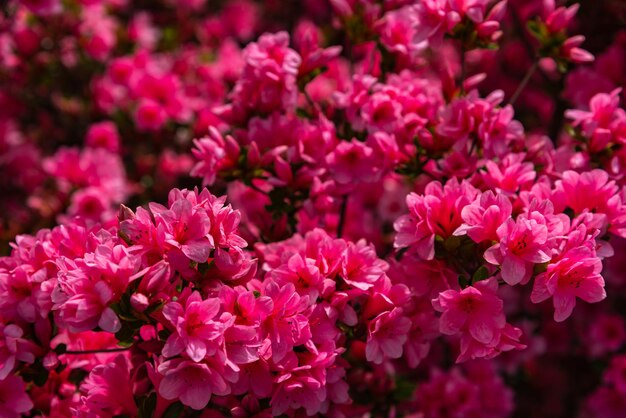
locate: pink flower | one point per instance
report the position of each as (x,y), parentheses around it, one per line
(90,203)
(97,30)
(616,374)
(13,348)
(382,111)
(87,287)
(570,50)
(268,81)
(192,383)
(351,163)
(606,402)
(301,382)
(607,334)
(43,7)
(483,217)
(511,175)
(149,116)
(81,304)
(162,92)
(523,243)
(287,325)
(361,267)
(18,294)
(451,392)
(604,123)
(476,310)
(435,19)
(558,19)
(14,400)
(424,329)
(398,31)
(214,154)
(508,339)
(436,212)
(198,330)
(96,167)
(103,135)
(387,334)
(109,390)
(591,191)
(302,273)
(187,228)
(575,273)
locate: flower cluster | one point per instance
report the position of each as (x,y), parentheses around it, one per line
(409,208)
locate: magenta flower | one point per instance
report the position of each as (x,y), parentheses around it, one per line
(476,310)
(301,382)
(287,325)
(511,175)
(187,228)
(214,154)
(575,273)
(103,135)
(387,334)
(192,383)
(592,191)
(603,123)
(361,267)
(14,400)
(108,389)
(351,163)
(268,81)
(198,330)
(616,374)
(14,348)
(81,301)
(302,273)
(436,212)
(607,334)
(149,116)
(483,217)
(523,243)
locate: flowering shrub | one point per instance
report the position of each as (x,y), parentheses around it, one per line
(322,208)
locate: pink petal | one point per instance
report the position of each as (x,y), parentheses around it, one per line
(563,306)
(451,322)
(513,270)
(481,331)
(196,396)
(540,289)
(109,321)
(198,251)
(591,290)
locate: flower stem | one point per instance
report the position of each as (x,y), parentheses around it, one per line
(342,216)
(525,81)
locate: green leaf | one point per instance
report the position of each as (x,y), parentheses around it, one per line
(125,335)
(481,274)
(41,377)
(463,281)
(536,28)
(174,410)
(147,406)
(404,390)
(540,268)
(164,334)
(452,243)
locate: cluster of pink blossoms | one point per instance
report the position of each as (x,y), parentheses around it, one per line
(426,209)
